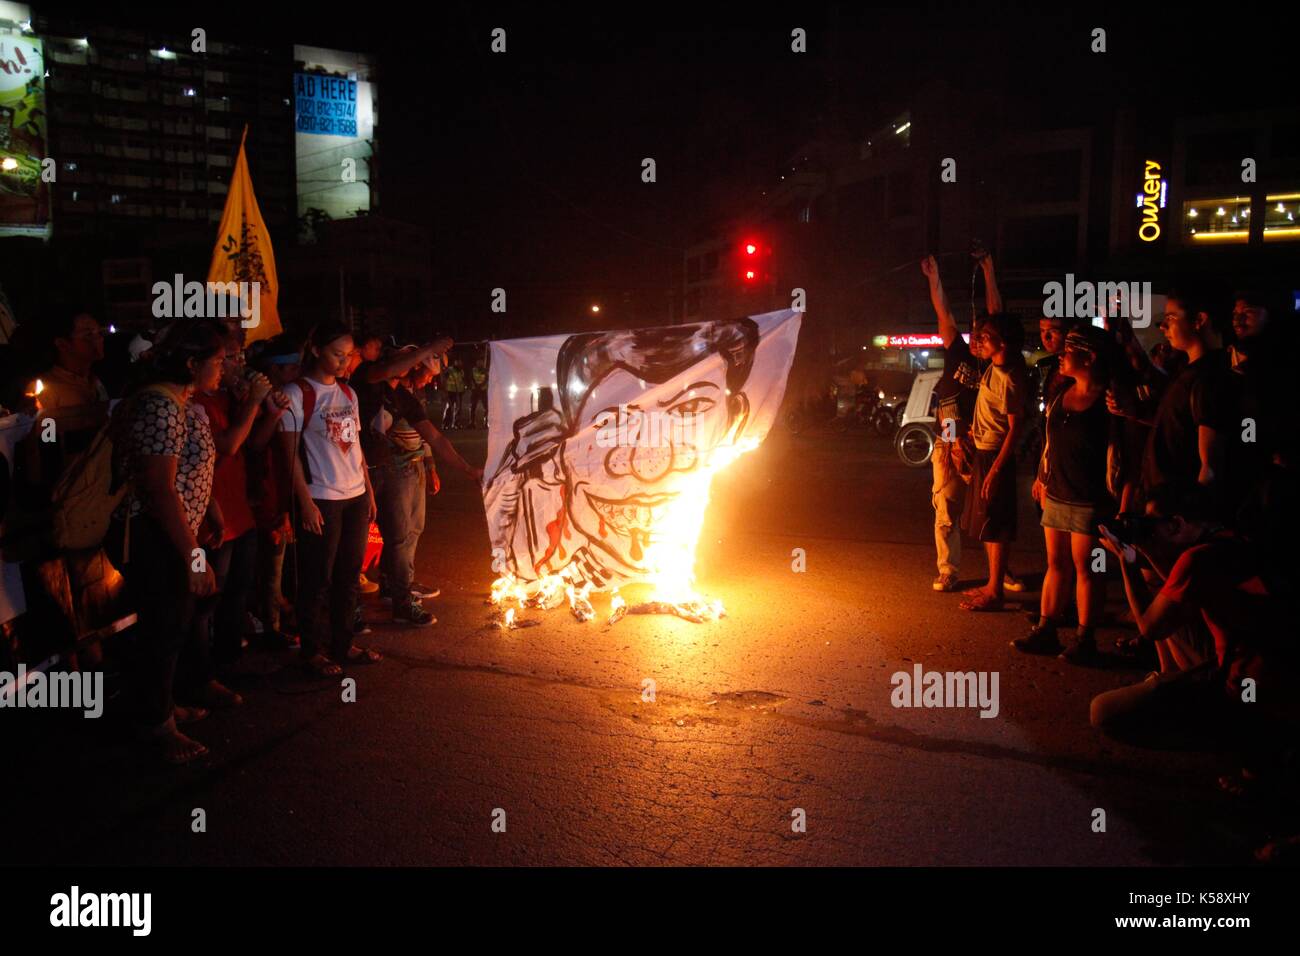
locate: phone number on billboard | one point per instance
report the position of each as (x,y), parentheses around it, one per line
(327,125)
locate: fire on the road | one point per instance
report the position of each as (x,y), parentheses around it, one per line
(670,556)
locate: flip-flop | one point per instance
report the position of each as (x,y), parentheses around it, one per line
(363,655)
(318,665)
(982,603)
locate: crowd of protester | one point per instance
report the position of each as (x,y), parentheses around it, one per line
(222,492)
(1171,472)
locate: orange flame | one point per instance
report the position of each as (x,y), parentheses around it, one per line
(670,557)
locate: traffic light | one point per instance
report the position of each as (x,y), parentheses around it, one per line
(753,258)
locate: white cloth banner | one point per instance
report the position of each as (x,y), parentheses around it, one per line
(13,601)
(592,436)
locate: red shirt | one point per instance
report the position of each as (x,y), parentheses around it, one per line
(230,478)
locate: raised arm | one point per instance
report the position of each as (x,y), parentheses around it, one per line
(992,297)
(403,362)
(938,298)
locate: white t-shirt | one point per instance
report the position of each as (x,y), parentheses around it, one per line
(1000,395)
(331,440)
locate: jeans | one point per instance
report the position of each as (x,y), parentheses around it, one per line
(328,566)
(452,412)
(158,578)
(945,496)
(399,496)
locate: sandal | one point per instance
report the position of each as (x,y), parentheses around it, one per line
(983,601)
(363,655)
(318,665)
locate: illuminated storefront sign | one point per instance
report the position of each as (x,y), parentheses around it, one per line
(915,340)
(1154,195)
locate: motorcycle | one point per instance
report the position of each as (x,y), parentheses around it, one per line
(886,415)
(914,441)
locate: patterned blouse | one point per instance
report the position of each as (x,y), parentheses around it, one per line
(155,426)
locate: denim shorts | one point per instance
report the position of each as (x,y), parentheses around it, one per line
(1062,516)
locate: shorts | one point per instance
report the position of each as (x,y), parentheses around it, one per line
(1063,516)
(994,519)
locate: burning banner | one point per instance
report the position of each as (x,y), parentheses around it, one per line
(602,447)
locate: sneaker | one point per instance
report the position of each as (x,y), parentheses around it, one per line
(413,613)
(424,590)
(1012,583)
(366,585)
(945,582)
(1082,650)
(359,626)
(1041,639)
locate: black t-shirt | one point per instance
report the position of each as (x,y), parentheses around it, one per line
(1201,394)
(959,385)
(1076,453)
(374,396)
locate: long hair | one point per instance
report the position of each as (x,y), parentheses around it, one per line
(322,335)
(169,359)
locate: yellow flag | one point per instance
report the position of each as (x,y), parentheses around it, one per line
(243,254)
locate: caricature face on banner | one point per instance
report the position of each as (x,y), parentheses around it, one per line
(587,469)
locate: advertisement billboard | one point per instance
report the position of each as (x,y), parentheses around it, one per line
(335,100)
(24,194)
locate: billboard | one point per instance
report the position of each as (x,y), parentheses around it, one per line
(335,113)
(24,196)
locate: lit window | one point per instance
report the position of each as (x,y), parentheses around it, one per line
(115,198)
(1280,214)
(1217,221)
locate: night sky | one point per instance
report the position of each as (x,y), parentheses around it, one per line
(526,167)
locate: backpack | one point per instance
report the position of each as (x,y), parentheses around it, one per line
(88,491)
(308,408)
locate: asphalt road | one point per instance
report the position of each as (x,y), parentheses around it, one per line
(783,706)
